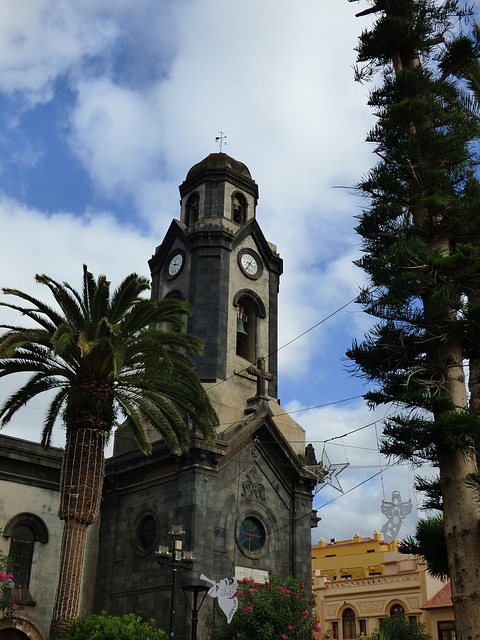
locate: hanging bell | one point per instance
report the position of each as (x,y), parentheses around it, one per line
(241,327)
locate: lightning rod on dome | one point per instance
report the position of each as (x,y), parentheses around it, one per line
(221,140)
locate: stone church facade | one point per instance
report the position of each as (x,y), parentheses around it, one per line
(239,507)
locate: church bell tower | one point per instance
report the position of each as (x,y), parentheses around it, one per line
(245,500)
(217,259)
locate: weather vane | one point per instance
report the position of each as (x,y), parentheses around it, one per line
(221,140)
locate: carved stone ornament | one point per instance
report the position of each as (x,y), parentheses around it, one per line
(253,487)
(375,606)
(255,453)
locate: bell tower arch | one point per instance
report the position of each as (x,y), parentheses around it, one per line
(217,257)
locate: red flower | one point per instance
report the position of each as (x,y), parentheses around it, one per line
(302,585)
(290,627)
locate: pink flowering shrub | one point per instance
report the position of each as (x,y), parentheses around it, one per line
(7,604)
(278,610)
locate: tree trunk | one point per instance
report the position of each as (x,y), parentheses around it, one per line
(80,494)
(461,518)
(460,509)
(67,598)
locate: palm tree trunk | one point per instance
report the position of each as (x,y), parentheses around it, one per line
(67,598)
(80,493)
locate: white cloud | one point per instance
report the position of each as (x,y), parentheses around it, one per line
(115,134)
(41,40)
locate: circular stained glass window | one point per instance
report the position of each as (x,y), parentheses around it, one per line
(147,533)
(252,535)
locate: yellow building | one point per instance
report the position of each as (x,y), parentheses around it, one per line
(358,582)
(352,559)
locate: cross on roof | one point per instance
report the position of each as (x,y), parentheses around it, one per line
(261,375)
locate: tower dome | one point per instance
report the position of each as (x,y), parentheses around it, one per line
(218,161)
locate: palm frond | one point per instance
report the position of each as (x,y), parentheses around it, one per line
(62,338)
(53,412)
(135,420)
(126,295)
(48,321)
(88,290)
(99,306)
(37,384)
(65,300)
(13,340)
(161,419)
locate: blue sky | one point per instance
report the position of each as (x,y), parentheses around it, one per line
(106,104)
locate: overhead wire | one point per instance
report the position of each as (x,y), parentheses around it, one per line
(344,493)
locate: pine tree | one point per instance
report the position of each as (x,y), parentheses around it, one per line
(421,243)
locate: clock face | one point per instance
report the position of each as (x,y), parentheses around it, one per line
(249,264)
(175,264)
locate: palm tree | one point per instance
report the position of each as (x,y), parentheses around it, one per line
(105,356)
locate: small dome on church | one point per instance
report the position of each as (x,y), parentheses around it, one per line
(219,161)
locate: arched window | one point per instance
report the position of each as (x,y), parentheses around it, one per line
(348,624)
(191,210)
(246,330)
(397,611)
(239,208)
(24,530)
(249,308)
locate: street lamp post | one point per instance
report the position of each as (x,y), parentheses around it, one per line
(176,557)
(196,589)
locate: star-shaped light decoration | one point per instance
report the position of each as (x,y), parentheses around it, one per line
(326,472)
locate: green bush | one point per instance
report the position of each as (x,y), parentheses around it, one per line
(279,610)
(400,629)
(103,627)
